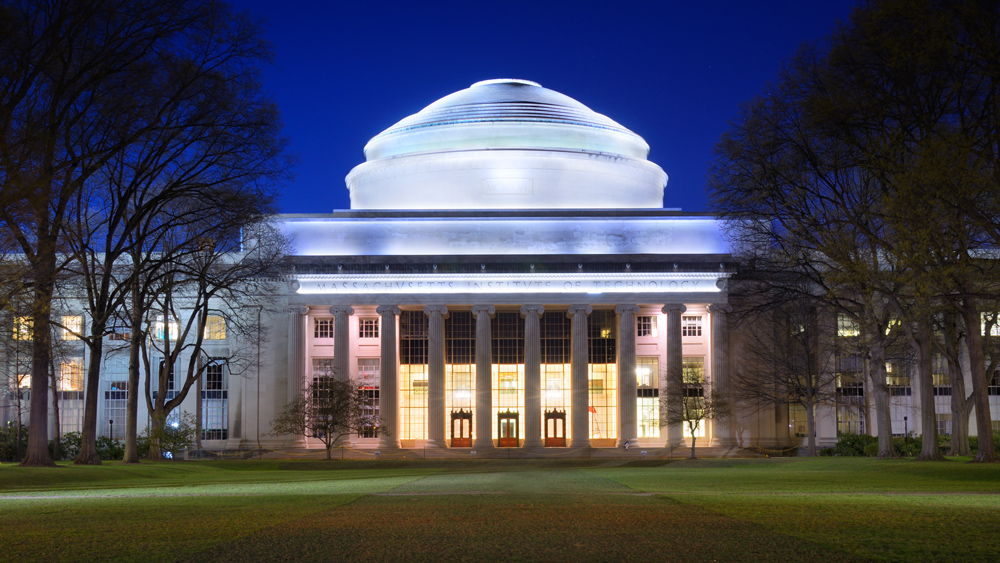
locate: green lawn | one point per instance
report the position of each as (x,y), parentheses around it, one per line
(827,509)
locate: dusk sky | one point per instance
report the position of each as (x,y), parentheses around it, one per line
(673,72)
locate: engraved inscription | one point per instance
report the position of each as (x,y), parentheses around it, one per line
(507,186)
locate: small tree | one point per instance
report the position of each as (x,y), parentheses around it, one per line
(329,410)
(695,407)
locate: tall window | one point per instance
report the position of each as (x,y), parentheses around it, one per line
(215,327)
(847,326)
(368,327)
(603,378)
(693,370)
(556,371)
(368,382)
(412,375)
(691,325)
(214,403)
(71,375)
(22,328)
(645,325)
(647,372)
(159,328)
(323,328)
(71,327)
(115,396)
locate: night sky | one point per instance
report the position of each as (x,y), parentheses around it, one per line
(673,72)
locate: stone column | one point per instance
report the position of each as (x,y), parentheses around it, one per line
(627,385)
(296,358)
(675,372)
(341,342)
(580,360)
(436,314)
(388,380)
(532,375)
(722,426)
(484,377)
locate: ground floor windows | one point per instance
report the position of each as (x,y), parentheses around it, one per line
(368,384)
(413,401)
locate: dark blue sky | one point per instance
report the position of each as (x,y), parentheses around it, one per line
(673,72)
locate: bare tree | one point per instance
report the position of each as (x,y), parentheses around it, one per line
(694,409)
(83,82)
(329,410)
(788,360)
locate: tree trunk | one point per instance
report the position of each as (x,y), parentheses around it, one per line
(920,340)
(977,365)
(693,439)
(41,350)
(880,394)
(158,425)
(56,429)
(811,427)
(88,438)
(959,401)
(328,448)
(132,392)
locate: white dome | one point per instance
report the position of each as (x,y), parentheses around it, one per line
(506,144)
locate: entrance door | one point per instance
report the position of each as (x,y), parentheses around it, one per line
(555,429)
(507,422)
(461,429)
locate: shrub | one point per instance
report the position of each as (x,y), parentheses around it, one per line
(854,445)
(110,450)
(907,446)
(69,445)
(8,441)
(974,443)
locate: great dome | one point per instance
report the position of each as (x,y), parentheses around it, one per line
(506,144)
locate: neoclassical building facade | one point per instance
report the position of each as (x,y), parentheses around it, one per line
(507,277)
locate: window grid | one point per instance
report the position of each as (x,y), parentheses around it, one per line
(72,326)
(368,327)
(215,328)
(369,372)
(322,328)
(215,404)
(691,325)
(645,326)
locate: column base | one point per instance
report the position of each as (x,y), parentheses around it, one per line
(532,444)
(436,444)
(579,443)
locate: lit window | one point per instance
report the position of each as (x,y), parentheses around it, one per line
(71,375)
(368,327)
(647,370)
(215,328)
(22,328)
(120,332)
(158,326)
(691,325)
(693,370)
(323,328)
(847,326)
(645,326)
(991,324)
(71,327)
(368,372)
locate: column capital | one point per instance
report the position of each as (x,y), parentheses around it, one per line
(297,310)
(626,309)
(338,310)
(527,309)
(488,309)
(674,308)
(574,309)
(387,310)
(439,309)
(720,308)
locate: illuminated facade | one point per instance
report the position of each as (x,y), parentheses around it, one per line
(507,277)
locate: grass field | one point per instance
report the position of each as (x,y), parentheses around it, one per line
(829,509)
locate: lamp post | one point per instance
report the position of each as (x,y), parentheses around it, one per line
(905,431)
(111,423)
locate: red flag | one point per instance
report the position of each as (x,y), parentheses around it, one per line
(592,409)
